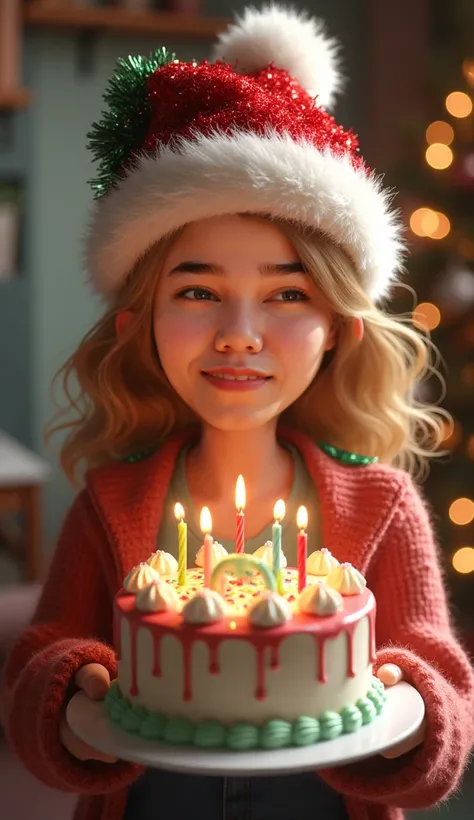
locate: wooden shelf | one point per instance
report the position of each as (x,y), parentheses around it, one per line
(118,20)
(14,99)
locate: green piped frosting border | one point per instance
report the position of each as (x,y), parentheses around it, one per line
(242,737)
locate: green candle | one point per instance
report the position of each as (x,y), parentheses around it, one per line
(278,514)
(182,544)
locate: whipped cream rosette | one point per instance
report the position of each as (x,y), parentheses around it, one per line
(163,562)
(207,607)
(139,577)
(158,596)
(320,599)
(217,553)
(346,579)
(270,610)
(265,553)
(321,562)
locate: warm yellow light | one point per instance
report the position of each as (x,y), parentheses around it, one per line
(443,227)
(179,511)
(439,156)
(468,71)
(302,518)
(424,221)
(459,104)
(232,625)
(240,497)
(463,560)
(452,434)
(426,316)
(461,511)
(470,447)
(440,131)
(205,520)
(279,510)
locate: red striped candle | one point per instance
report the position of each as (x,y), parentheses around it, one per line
(302,546)
(240,519)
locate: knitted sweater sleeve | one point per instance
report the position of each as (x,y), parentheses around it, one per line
(414,632)
(70,628)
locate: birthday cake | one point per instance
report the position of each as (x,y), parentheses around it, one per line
(235,655)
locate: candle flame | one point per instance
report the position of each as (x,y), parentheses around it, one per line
(206,520)
(302,518)
(179,511)
(240,497)
(279,510)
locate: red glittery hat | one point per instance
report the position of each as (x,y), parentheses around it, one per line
(248,133)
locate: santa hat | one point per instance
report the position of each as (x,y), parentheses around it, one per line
(248,133)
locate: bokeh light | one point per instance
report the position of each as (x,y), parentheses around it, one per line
(459,104)
(440,131)
(443,227)
(461,511)
(439,156)
(463,560)
(424,221)
(426,316)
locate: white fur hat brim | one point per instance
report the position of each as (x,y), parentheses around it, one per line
(242,172)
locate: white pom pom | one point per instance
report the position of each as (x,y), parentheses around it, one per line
(291,40)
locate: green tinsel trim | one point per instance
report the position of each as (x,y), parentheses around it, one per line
(124,126)
(352,459)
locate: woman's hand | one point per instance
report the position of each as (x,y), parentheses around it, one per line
(390,675)
(94,680)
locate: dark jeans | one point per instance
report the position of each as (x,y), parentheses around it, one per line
(159,795)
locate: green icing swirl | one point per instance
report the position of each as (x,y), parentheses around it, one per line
(306,730)
(377,699)
(153,727)
(351,719)
(367,710)
(275,734)
(210,734)
(242,737)
(331,725)
(178,731)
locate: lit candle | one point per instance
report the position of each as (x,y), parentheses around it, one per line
(240,504)
(206,527)
(302,546)
(278,515)
(182,543)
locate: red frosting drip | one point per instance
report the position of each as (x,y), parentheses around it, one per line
(170,623)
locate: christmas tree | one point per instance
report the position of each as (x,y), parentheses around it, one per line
(436,179)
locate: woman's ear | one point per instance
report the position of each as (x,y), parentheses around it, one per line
(358,328)
(122,320)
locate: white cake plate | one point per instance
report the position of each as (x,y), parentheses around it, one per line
(402,714)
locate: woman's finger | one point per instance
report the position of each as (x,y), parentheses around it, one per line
(94,680)
(390,674)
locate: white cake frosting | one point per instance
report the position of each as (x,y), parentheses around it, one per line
(321,562)
(207,607)
(139,577)
(163,562)
(270,610)
(217,552)
(319,600)
(346,579)
(265,553)
(157,597)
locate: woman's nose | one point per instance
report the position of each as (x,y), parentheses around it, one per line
(240,330)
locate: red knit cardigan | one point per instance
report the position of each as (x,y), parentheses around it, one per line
(372,516)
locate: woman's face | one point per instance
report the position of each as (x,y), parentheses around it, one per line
(240,329)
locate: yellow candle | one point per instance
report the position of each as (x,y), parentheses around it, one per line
(182,544)
(278,515)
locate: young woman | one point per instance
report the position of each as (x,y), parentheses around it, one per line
(244,251)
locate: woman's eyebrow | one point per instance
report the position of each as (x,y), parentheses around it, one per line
(268,269)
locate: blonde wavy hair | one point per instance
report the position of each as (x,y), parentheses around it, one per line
(364,398)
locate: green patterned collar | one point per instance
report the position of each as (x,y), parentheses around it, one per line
(344,456)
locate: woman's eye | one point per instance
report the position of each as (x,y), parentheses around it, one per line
(291,295)
(197,295)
